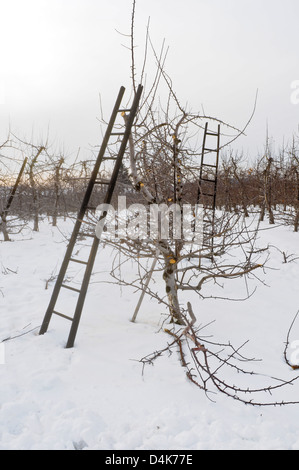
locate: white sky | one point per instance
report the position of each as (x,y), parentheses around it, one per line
(59,55)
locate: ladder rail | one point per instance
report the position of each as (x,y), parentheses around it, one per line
(96,241)
(13,191)
(80,216)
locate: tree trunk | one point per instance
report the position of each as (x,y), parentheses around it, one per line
(4,230)
(171,291)
(296,221)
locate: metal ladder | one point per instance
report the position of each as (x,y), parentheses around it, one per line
(208,186)
(69,257)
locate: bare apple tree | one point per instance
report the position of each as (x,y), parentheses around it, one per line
(163,161)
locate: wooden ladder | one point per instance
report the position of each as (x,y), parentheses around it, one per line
(70,257)
(207,186)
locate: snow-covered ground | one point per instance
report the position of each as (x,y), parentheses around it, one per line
(97,395)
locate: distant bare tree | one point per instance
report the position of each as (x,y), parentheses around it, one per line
(33,179)
(57,186)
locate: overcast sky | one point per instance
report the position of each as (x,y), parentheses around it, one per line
(59,55)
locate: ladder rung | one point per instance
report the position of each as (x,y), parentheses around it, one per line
(109,158)
(78,261)
(70,288)
(62,315)
(206,194)
(102,182)
(212,133)
(208,164)
(210,181)
(117,133)
(210,150)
